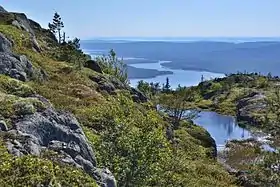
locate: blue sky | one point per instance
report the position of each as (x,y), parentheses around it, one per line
(156,18)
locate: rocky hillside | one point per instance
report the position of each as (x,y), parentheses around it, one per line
(254,100)
(63,125)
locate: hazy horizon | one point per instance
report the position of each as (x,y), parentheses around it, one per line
(179,18)
(183,39)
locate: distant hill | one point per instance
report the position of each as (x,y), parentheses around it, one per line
(224,57)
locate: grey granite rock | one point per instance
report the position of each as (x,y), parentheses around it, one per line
(3,126)
(59,132)
(5,44)
(18,67)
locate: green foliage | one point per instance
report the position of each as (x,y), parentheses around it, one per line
(112,65)
(191,163)
(56,26)
(132,143)
(149,89)
(34,171)
(267,171)
(15,87)
(15,98)
(70,52)
(144,87)
(129,138)
(178,103)
(12,106)
(21,38)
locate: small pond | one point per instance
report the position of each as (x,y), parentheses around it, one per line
(222,128)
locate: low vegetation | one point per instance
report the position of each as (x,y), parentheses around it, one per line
(34,171)
(252,98)
(129,138)
(140,145)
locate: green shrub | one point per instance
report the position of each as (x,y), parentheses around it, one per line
(15,87)
(34,171)
(112,65)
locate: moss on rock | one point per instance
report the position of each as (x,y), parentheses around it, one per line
(35,171)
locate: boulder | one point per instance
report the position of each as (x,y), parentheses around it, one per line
(93,65)
(56,131)
(22,22)
(18,67)
(106,177)
(3,126)
(104,84)
(111,84)
(33,133)
(5,44)
(253,103)
(35,45)
(138,96)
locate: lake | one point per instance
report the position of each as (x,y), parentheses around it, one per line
(182,77)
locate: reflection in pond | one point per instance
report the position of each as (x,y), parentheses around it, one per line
(222,128)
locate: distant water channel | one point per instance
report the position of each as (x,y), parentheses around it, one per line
(182,77)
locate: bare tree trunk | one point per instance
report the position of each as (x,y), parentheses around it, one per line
(59,36)
(63,38)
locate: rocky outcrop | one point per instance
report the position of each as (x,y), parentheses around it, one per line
(93,65)
(111,85)
(5,44)
(18,67)
(254,103)
(48,129)
(37,131)
(138,96)
(2,9)
(20,21)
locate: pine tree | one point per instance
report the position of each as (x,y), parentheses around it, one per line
(166,87)
(202,78)
(56,26)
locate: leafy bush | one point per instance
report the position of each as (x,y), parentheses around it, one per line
(132,144)
(70,52)
(112,65)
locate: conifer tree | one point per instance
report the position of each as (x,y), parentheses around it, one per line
(56,26)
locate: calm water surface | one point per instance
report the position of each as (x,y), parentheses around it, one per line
(182,77)
(221,128)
